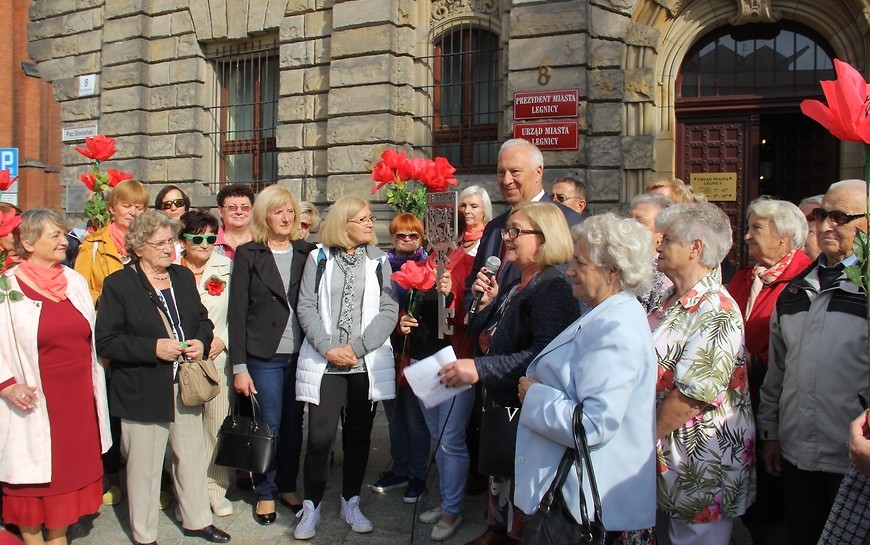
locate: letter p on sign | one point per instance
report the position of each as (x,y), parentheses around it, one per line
(9,160)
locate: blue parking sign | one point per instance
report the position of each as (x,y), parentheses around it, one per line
(9,160)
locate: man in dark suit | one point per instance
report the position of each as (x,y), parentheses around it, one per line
(520,179)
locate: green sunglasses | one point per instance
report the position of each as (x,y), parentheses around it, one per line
(197,239)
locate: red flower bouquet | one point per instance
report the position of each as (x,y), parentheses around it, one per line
(215,286)
(98,149)
(396,171)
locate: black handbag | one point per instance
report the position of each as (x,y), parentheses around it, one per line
(246,442)
(552,523)
(498,438)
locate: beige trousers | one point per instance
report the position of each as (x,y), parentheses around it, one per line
(145,444)
(213,414)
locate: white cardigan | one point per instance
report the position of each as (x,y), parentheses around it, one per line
(380,364)
(25,437)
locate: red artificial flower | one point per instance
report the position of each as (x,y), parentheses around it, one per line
(382,174)
(215,286)
(848,97)
(391,163)
(90,181)
(413,275)
(117,176)
(413,169)
(6,179)
(99,148)
(438,175)
(8,222)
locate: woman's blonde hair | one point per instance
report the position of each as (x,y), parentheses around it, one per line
(333,231)
(129,192)
(558,247)
(268,200)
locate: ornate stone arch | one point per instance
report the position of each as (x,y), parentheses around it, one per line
(662,32)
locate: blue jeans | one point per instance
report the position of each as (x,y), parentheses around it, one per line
(451,454)
(275,381)
(409,434)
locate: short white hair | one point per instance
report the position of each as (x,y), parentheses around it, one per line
(621,243)
(484,199)
(786,219)
(653,199)
(698,221)
(534,152)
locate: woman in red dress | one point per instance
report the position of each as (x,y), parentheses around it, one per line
(54,409)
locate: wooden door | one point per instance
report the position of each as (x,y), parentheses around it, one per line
(722,146)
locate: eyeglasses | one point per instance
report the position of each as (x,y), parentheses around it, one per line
(837,217)
(408,236)
(237,207)
(167,205)
(363,221)
(159,246)
(561,198)
(514,232)
(197,239)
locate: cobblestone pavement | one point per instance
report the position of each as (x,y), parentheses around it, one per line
(394,520)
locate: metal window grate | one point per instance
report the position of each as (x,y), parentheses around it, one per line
(464,95)
(244,115)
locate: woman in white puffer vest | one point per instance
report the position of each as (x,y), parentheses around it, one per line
(347,310)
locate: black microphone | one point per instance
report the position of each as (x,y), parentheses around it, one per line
(492,265)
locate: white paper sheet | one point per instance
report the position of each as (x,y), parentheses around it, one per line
(424,380)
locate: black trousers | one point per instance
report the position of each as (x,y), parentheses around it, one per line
(809,496)
(348,391)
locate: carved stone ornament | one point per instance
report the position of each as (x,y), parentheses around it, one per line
(673,6)
(442,9)
(755,11)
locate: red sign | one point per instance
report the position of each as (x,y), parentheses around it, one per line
(552,136)
(546,104)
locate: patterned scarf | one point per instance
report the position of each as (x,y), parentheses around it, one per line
(348,263)
(762,276)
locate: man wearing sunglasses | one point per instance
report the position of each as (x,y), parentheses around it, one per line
(817,369)
(571,192)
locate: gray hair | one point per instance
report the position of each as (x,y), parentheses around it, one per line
(786,219)
(815,200)
(484,199)
(535,154)
(33,224)
(143,227)
(698,221)
(622,243)
(653,199)
(854,185)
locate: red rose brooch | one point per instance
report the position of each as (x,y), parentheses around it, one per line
(215,286)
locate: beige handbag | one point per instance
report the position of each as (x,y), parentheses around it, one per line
(198,380)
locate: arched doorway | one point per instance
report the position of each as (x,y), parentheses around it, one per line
(740,132)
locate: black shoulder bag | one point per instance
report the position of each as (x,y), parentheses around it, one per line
(552,523)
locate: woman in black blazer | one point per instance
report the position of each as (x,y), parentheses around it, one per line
(265,336)
(143,358)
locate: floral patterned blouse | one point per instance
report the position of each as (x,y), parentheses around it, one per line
(707,466)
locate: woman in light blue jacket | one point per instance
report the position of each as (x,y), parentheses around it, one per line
(604,362)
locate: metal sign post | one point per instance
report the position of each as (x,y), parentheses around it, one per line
(441,228)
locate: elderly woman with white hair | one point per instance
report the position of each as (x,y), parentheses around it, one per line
(775,235)
(645,208)
(602,364)
(704,419)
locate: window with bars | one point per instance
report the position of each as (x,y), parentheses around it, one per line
(752,60)
(466,91)
(245,114)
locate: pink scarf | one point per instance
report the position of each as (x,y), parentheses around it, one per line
(51,280)
(762,276)
(118,237)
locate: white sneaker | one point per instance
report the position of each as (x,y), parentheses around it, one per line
(352,515)
(431,516)
(307,527)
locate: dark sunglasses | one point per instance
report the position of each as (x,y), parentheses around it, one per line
(177,203)
(197,239)
(837,217)
(561,197)
(408,236)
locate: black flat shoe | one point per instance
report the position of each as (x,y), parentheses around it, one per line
(244,481)
(209,533)
(266,518)
(295,507)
